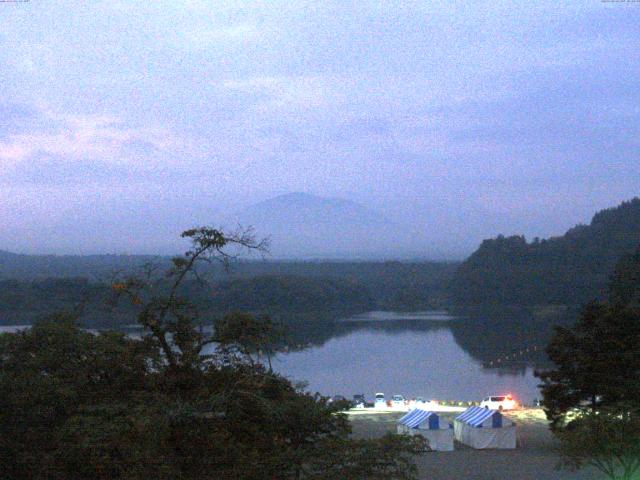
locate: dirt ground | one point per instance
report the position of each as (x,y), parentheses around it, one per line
(535,458)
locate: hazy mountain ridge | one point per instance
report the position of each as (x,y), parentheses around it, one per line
(571,269)
(299,206)
(302,225)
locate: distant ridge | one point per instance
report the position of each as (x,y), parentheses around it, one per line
(307,226)
(571,269)
(96,267)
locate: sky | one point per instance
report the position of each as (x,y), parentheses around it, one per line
(123,123)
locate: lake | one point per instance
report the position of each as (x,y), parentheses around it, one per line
(434,355)
(417,354)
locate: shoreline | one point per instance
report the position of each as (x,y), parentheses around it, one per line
(434,407)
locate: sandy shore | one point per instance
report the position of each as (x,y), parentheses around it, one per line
(433,407)
(534,459)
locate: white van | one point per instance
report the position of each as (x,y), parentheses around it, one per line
(499,402)
(379,401)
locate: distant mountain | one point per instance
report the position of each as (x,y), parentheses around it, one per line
(301,225)
(572,269)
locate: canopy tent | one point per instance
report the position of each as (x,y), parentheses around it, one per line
(427,424)
(482,428)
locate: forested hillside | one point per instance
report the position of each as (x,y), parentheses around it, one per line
(280,296)
(392,283)
(625,282)
(572,269)
(282,289)
(93,267)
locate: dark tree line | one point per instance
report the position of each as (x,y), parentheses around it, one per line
(569,270)
(318,290)
(273,294)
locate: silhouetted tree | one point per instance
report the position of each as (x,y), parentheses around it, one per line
(592,397)
(607,438)
(171,404)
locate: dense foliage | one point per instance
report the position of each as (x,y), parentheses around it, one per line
(625,282)
(393,285)
(598,362)
(286,290)
(592,397)
(29,299)
(290,293)
(607,438)
(273,294)
(77,405)
(92,267)
(176,403)
(570,270)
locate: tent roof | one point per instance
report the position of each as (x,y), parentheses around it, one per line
(415,417)
(475,416)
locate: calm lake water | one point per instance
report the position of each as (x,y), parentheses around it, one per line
(428,354)
(410,354)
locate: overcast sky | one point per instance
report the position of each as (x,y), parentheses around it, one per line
(123,123)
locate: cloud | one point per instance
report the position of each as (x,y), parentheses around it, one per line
(205,37)
(67,137)
(426,111)
(274,93)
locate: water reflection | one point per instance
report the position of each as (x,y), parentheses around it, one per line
(414,362)
(429,354)
(509,337)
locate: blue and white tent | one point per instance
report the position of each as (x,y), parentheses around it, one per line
(482,428)
(477,416)
(417,417)
(426,423)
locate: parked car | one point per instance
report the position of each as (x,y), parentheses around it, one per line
(380,401)
(499,402)
(359,400)
(337,398)
(397,401)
